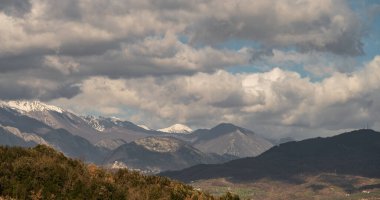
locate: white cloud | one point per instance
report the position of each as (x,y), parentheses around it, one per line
(166,61)
(275,98)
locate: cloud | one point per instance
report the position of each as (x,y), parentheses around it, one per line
(316,64)
(156,37)
(65,65)
(97,26)
(274,98)
(15,7)
(19,85)
(326,25)
(167,61)
(161,56)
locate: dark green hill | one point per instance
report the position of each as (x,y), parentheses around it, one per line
(354,153)
(43,173)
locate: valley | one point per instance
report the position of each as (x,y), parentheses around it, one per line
(321,186)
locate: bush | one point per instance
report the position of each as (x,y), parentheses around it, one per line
(43,173)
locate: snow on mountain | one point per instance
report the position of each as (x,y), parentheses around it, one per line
(103,124)
(177,128)
(29,106)
(94,123)
(144,127)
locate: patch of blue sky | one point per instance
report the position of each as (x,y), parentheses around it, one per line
(236,44)
(371,46)
(265,67)
(127,112)
(371,43)
(369,12)
(183,39)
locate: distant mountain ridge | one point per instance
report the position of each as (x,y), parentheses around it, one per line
(228,139)
(161,153)
(103,140)
(351,153)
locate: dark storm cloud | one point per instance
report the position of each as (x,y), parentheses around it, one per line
(20,63)
(233,100)
(10,91)
(349,43)
(174,4)
(62,10)
(214,31)
(91,48)
(334,30)
(116,66)
(24,86)
(259,54)
(65,91)
(15,7)
(12,87)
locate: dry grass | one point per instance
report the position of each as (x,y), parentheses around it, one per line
(323,186)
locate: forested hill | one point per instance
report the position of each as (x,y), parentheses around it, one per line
(43,173)
(354,153)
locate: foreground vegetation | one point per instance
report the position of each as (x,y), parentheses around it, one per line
(43,173)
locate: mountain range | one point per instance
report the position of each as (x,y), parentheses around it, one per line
(109,141)
(353,153)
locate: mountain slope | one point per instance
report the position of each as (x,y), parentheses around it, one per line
(352,153)
(13,136)
(12,118)
(28,123)
(156,154)
(38,117)
(75,146)
(19,128)
(228,139)
(10,139)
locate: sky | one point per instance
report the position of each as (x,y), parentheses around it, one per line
(296,68)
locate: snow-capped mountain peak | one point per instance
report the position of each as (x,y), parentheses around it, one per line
(177,128)
(30,106)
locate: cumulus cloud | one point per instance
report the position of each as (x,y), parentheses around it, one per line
(167,61)
(74,27)
(275,98)
(308,25)
(164,55)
